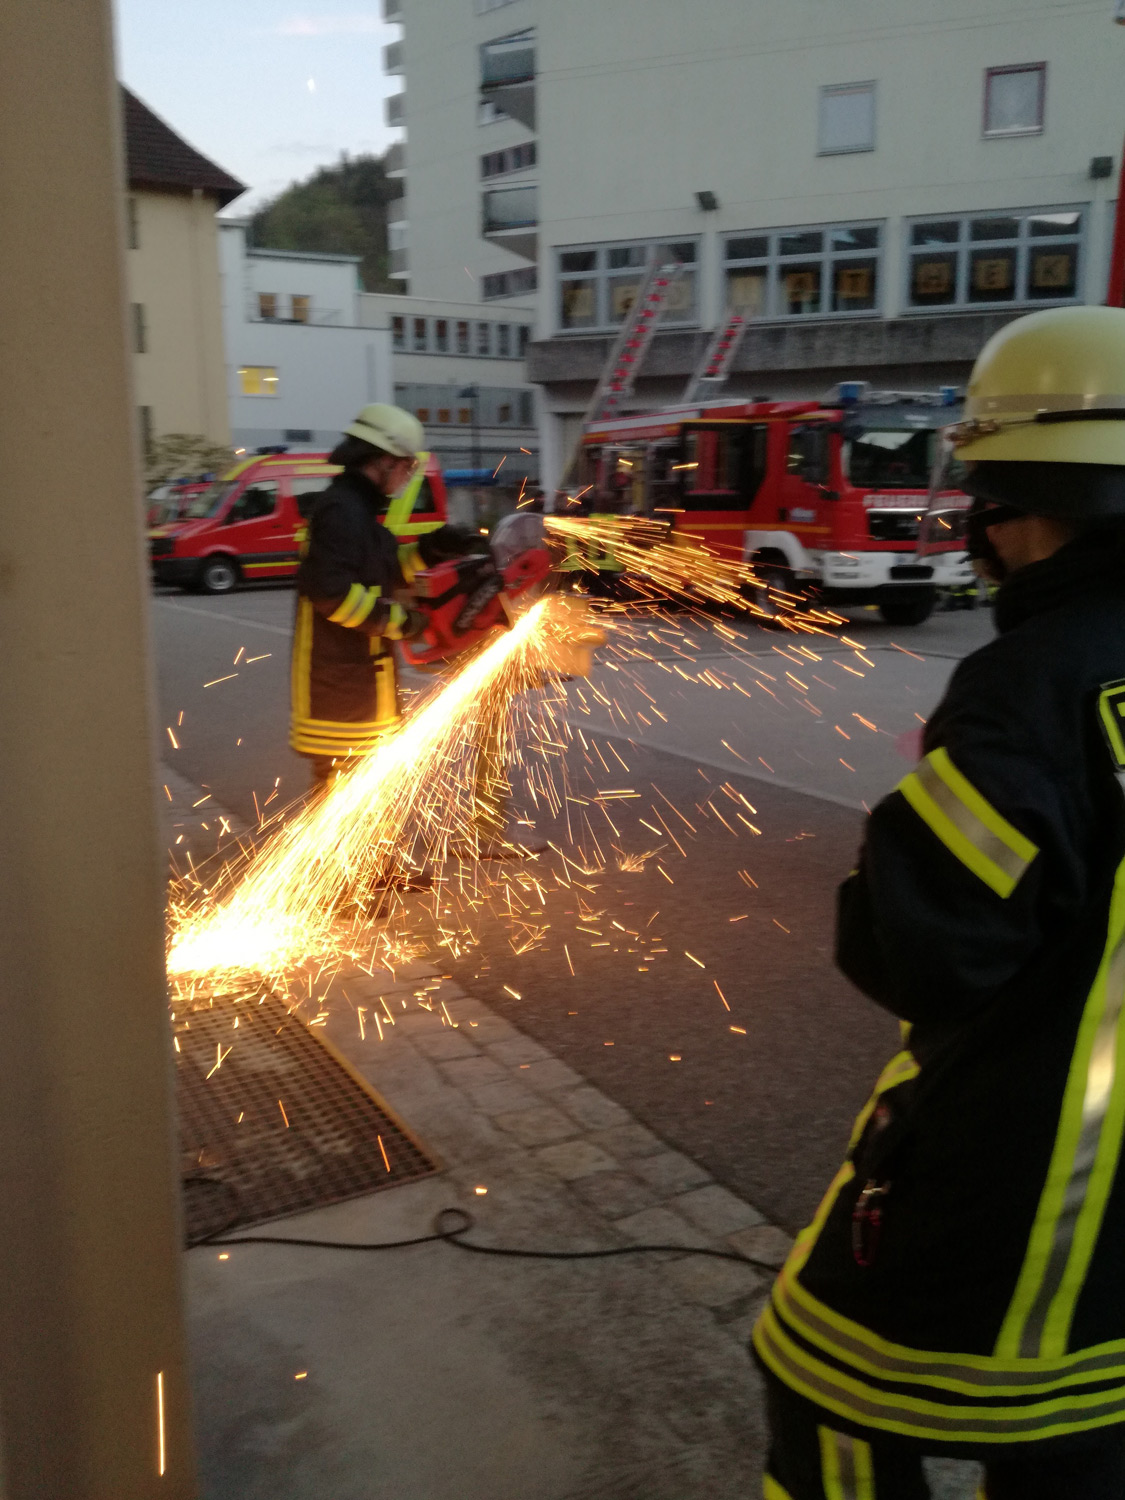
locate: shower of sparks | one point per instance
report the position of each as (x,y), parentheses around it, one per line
(415,800)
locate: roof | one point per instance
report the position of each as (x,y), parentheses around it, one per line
(157,157)
(254,253)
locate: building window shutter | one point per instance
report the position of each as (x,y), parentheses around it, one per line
(847,118)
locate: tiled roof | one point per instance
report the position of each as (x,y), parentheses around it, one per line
(157,157)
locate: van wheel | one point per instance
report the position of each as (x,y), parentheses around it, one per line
(908,606)
(218,575)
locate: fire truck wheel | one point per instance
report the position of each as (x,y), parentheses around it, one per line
(776,593)
(908,606)
(218,575)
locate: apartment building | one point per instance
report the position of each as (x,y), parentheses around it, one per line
(880,184)
(173,276)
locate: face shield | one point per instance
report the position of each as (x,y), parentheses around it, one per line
(945,521)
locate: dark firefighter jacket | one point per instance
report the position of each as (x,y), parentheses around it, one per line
(982,1185)
(344,697)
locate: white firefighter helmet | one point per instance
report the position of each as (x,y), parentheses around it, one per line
(390,429)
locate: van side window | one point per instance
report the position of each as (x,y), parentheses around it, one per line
(306,490)
(256,501)
(424,503)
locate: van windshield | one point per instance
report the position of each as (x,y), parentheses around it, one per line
(209,502)
(890,459)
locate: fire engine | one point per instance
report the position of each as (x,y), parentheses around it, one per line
(823,499)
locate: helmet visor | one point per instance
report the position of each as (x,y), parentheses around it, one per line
(944,523)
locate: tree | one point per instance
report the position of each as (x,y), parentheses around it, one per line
(182,455)
(341,210)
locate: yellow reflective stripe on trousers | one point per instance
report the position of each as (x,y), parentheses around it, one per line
(967,825)
(1083,1163)
(846,1468)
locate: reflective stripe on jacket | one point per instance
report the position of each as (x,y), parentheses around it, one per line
(988,911)
(343,691)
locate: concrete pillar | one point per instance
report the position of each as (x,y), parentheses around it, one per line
(91,1339)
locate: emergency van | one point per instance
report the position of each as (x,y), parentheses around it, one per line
(824,500)
(249,525)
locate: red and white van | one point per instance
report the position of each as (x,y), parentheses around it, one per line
(248,526)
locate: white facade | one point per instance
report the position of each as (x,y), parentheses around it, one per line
(881,183)
(296,379)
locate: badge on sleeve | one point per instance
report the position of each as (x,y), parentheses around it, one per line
(1111,715)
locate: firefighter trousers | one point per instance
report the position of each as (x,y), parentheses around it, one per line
(815,1455)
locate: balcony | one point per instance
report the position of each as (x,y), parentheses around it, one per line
(392,10)
(507,75)
(394,109)
(392,59)
(400,268)
(394,161)
(510,217)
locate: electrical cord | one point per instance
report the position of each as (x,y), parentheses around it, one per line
(451,1234)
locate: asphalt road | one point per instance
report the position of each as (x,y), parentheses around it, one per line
(749,762)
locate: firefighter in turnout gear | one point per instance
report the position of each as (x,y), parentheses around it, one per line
(344,692)
(961,1289)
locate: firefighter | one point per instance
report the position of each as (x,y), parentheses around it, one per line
(344,693)
(961,1289)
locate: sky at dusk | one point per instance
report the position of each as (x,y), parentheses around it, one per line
(270,89)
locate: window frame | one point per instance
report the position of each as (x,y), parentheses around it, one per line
(1012,132)
(964,245)
(774,262)
(398,332)
(419,334)
(830,90)
(267,299)
(300,307)
(602,274)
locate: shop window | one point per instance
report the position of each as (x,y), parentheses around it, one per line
(1014,99)
(794,273)
(598,284)
(995,259)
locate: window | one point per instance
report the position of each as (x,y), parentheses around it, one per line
(423,414)
(424,503)
(509,283)
(888,459)
(513,159)
(300,307)
(1021,257)
(527,419)
(441,335)
(484,338)
(598,285)
(421,341)
(256,502)
(504,340)
(524,339)
(504,412)
(267,304)
(133,223)
(489,113)
(140,329)
(298,434)
(464,414)
(1014,99)
(443,414)
(462,338)
(398,332)
(793,273)
(725,466)
(847,118)
(508,59)
(258,380)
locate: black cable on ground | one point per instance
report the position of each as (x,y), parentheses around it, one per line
(450,1234)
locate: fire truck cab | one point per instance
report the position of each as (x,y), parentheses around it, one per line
(824,500)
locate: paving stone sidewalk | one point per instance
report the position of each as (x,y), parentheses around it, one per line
(436,1375)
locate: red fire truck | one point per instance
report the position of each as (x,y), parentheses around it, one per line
(825,500)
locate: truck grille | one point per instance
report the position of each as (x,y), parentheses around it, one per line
(894,525)
(160,546)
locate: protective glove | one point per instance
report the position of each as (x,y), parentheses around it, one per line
(447,543)
(406,622)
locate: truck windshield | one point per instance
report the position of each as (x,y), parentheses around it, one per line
(209,502)
(889,459)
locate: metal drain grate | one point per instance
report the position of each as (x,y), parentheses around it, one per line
(281,1125)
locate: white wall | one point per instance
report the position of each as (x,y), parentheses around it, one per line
(325,372)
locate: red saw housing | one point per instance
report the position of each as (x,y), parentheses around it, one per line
(466,598)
